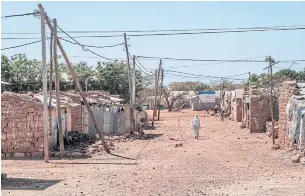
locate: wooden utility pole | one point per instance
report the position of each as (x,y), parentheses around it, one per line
(98,130)
(157,76)
(249,82)
(155,101)
(45,87)
(162,75)
(128,65)
(51,81)
(58,109)
(271,63)
(134,80)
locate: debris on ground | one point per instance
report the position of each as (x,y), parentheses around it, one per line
(78,144)
(178,145)
(276,147)
(296,158)
(242,126)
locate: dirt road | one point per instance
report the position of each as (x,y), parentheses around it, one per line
(226,160)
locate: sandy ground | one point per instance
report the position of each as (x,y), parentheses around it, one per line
(226,160)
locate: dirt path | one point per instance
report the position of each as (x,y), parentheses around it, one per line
(226,160)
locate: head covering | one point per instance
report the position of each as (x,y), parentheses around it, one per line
(196,121)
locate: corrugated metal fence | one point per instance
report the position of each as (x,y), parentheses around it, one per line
(111,120)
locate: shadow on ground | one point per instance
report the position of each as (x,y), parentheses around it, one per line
(26,184)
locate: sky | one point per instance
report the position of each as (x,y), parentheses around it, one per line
(123,16)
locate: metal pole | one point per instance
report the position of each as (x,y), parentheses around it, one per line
(128,65)
(58,109)
(45,88)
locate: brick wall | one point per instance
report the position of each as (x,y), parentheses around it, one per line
(238,109)
(289,88)
(259,111)
(76,112)
(21,126)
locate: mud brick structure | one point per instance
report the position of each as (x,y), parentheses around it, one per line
(289,89)
(259,110)
(21,126)
(76,112)
(237,109)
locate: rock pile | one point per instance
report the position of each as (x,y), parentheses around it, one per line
(269,129)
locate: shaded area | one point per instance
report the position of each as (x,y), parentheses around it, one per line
(26,184)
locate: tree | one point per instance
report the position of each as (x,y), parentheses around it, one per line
(171,98)
(223,84)
(113,77)
(188,86)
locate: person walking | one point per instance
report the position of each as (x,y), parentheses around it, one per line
(196,126)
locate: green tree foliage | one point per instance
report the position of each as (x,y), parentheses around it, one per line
(26,75)
(279,77)
(188,86)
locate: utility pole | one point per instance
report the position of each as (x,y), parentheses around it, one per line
(97,128)
(51,81)
(162,75)
(271,63)
(134,80)
(157,76)
(58,109)
(128,65)
(249,82)
(45,87)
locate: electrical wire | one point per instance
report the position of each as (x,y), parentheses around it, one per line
(85,49)
(291,64)
(183,33)
(203,75)
(17,15)
(139,66)
(21,45)
(215,60)
(211,63)
(165,30)
(90,46)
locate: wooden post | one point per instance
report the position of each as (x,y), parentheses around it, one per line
(58,109)
(162,75)
(98,130)
(157,76)
(51,82)
(45,88)
(134,80)
(155,100)
(128,66)
(271,61)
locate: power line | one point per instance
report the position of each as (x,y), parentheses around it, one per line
(165,34)
(90,46)
(203,75)
(21,45)
(85,49)
(208,63)
(139,66)
(215,60)
(17,15)
(142,65)
(164,30)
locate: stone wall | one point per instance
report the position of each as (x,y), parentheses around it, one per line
(21,126)
(289,89)
(259,111)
